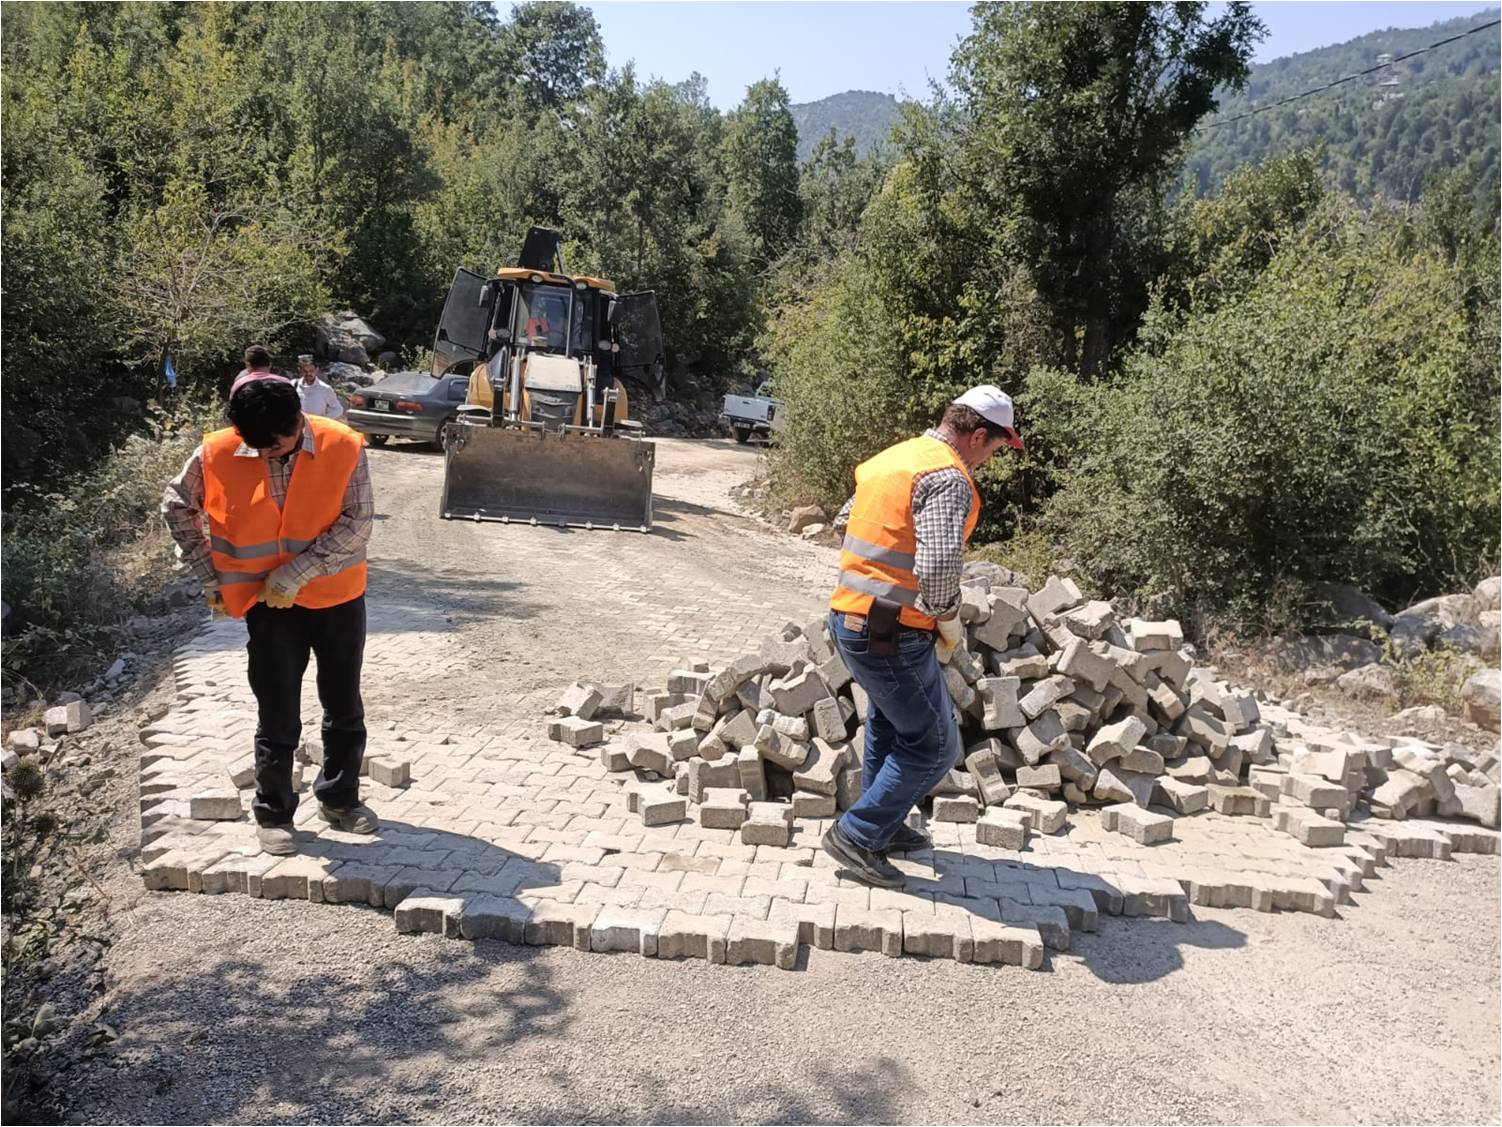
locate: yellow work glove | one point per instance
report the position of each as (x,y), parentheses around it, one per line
(951,633)
(215,603)
(278,591)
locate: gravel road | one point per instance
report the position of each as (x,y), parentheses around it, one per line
(240,1010)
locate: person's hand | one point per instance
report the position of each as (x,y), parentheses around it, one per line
(951,633)
(279,590)
(215,603)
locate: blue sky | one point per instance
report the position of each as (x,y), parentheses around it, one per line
(824,47)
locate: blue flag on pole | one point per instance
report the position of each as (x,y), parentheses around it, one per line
(170,372)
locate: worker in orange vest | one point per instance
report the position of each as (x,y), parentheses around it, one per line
(894,617)
(288,505)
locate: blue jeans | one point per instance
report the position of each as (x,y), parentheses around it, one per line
(911,737)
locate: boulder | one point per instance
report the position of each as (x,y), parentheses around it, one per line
(340,373)
(805,515)
(347,338)
(1418,717)
(1370,682)
(1418,627)
(1343,651)
(1479,637)
(1488,594)
(1482,695)
(1348,606)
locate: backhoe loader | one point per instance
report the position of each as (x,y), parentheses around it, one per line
(544,435)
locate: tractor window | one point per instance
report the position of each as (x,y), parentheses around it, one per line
(640,336)
(542,314)
(580,331)
(461,329)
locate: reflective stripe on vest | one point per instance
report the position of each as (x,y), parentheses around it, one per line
(250,536)
(870,551)
(879,554)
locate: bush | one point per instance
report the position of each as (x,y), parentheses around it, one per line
(81,559)
(1338,421)
(842,387)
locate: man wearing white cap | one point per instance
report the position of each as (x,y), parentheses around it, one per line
(894,617)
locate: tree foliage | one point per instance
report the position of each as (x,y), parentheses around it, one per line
(552,51)
(1227,393)
(1381,136)
(761,166)
(1337,418)
(1225,399)
(1068,118)
(235,170)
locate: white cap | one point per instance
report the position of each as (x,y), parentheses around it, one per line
(993,405)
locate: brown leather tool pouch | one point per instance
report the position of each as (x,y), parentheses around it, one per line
(882,624)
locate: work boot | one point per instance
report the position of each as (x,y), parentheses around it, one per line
(866,865)
(277,840)
(909,840)
(352,820)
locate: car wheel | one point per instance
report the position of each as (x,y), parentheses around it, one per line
(742,434)
(377,439)
(441,438)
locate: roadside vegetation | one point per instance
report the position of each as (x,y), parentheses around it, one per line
(1226,398)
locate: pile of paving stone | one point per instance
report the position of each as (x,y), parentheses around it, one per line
(1060,703)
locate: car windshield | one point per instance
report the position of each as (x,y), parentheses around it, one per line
(542,316)
(406,383)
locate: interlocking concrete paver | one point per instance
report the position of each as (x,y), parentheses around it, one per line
(493,829)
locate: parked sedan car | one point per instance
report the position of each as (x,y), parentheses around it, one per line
(408,405)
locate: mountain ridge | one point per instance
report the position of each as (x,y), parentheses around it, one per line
(1383,134)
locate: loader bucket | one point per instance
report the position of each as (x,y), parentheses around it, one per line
(534,477)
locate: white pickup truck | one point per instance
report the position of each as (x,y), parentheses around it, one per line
(746,415)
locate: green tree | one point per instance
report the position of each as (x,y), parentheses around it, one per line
(835,184)
(761,166)
(1217,246)
(553,50)
(199,280)
(1068,120)
(1337,420)
(644,205)
(57,331)
(347,105)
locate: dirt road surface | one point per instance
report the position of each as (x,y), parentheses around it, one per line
(233,1009)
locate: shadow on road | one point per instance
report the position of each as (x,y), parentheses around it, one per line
(486,1031)
(441,598)
(1131,952)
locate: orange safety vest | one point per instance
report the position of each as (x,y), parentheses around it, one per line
(250,537)
(881,544)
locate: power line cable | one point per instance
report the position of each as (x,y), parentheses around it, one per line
(1350,77)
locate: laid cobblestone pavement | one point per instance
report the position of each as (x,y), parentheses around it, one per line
(499,832)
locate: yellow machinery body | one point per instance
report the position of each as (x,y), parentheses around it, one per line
(545,435)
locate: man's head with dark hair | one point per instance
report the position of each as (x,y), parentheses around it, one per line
(978,424)
(257,358)
(268,415)
(964,420)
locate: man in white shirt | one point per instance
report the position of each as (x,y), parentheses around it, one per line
(317,397)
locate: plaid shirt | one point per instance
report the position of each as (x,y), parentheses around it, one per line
(334,549)
(941,505)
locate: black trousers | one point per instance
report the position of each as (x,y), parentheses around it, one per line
(279,645)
